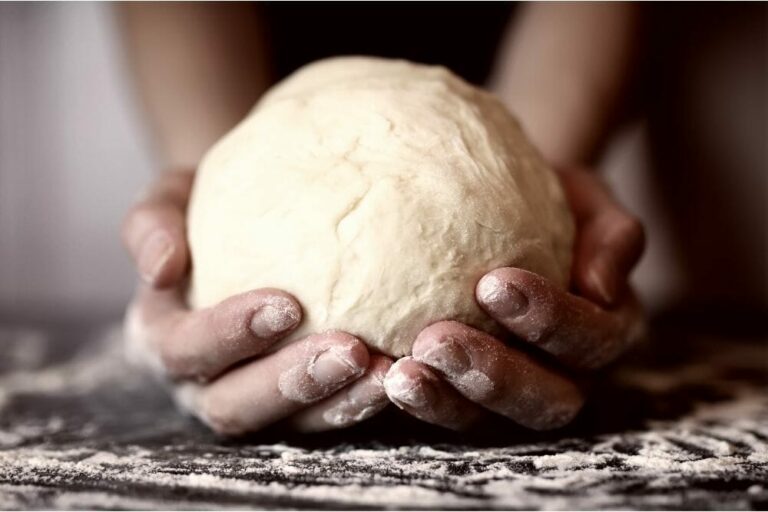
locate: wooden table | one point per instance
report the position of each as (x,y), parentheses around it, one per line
(682,423)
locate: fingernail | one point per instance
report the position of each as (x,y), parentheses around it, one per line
(274,319)
(411,391)
(333,366)
(501,298)
(599,275)
(155,253)
(448,356)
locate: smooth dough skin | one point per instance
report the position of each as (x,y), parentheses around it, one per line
(378,192)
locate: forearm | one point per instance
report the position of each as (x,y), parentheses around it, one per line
(562,69)
(199,68)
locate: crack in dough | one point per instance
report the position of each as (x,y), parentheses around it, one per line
(378,192)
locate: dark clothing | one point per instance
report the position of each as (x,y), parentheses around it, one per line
(460,36)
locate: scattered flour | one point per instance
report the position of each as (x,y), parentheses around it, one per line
(433,477)
(79,375)
(668,464)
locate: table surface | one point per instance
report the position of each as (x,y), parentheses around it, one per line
(681,423)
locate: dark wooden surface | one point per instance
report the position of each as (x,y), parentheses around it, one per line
(682,423)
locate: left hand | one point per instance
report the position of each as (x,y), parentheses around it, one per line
(217,361)
(457,374)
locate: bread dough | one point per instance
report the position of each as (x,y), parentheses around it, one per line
(378,192)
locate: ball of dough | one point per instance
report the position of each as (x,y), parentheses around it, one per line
(378,192)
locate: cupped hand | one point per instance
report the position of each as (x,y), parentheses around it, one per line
(458,374)
(218,359)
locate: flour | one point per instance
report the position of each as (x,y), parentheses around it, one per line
(475,383)
(673,463)
(80,375)
(372,477)
(28,350)
(310,379)
(354,409)
(404,388)
(275,317)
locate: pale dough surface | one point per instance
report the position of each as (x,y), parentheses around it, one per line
(378,192)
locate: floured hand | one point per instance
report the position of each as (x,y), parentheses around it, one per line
(458,374)
(217,359)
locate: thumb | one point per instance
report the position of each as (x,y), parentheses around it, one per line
(609,240)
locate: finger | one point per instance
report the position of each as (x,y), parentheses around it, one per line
(275,386)
(610,240)
(200,344)
(497,377)
(357,402)
(154,231)
(416,389)
(576,331)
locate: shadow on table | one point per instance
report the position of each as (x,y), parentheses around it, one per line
(692,359)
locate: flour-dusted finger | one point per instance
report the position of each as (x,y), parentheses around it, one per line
(357,402)
(154,230)
(578,332)
(416,389)
(200,344)
(275,386)
(501,379)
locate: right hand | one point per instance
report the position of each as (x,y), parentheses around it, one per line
(215,358)
(458,374)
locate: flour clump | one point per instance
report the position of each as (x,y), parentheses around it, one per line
(378,192)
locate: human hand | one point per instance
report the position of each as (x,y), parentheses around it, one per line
(457,374)
(216,358)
